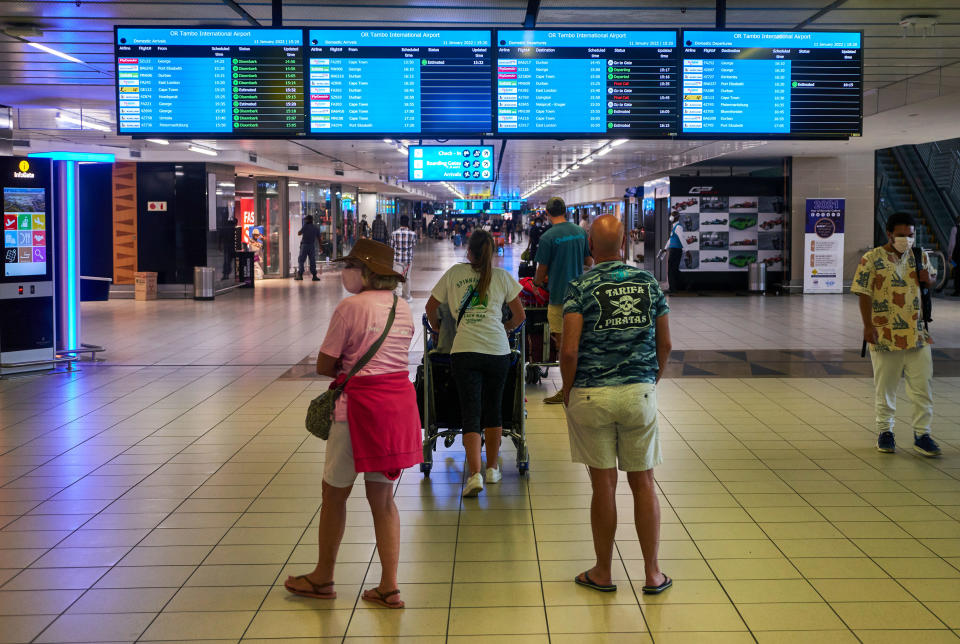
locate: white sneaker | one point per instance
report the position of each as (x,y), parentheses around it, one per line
(474,485)
(494,475)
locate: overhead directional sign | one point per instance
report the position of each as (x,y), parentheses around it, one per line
(451,162)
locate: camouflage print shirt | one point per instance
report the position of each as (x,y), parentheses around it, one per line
(897,313)
(620,305)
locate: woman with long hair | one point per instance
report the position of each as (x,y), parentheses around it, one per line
(475,292)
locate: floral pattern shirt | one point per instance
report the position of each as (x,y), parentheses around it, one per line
(897,313)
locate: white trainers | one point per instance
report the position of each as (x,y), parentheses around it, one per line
(474,485)
(494,475)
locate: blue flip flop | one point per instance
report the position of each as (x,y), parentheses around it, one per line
(656,590)
(589,583)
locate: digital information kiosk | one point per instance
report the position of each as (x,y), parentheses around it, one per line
(26,276)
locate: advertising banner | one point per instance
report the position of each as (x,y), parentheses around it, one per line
(823,246)
(729,222)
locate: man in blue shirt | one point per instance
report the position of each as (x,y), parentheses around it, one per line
(561,256)
(675,253)
(616,341)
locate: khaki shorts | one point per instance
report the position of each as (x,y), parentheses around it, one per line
(555,317)
(339,469)
(614,427)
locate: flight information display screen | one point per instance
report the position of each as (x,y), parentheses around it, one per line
(209,81)
(450,162)
(386,81)
(621,83)
(805,84)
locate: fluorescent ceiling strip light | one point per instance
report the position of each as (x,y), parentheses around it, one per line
(618,142)
(202,150)
(587,161)
(159,141)
(59,54)
(604,151)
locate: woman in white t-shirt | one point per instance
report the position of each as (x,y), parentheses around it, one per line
(476,293)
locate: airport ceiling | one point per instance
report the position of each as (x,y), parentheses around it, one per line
(37,83)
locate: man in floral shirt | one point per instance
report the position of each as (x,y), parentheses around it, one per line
(887,282)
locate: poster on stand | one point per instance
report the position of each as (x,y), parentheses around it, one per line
(823,246)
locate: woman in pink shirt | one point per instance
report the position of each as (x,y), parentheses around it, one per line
(383,431)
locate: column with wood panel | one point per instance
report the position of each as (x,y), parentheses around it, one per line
(124,222)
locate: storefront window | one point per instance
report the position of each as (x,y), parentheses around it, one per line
(310,198)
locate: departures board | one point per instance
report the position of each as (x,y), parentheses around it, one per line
(405,82)
(772,83)
(476,83)
(217,82)
(621,83)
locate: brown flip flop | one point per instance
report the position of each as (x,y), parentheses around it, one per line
(318,592)
(381,598)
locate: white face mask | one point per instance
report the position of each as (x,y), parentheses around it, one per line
(903,244)
(352,279)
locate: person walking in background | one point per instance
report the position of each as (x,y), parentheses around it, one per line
(381,434)
(477,291)
(585,222)
(616,342)
(403,240)
(309,236)
(379,230)
(561,256)
(953,256)
(537,228)
(675,253)
(364,228)
(887,282)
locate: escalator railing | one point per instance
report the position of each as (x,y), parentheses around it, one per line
(933,207)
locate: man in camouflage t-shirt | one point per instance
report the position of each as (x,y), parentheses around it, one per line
(887,281)
(616,341)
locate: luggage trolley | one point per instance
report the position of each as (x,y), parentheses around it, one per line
(440,404)
(538,348)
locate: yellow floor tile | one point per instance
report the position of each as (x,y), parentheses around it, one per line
(802,637)
(886,615)
(687,591)
(610,618)
(754,569)
(284,624)
(861,590)
(839,568)
(929,590)
(705,618)
(898,636)
(793,617)
(761,591)
(497,621)
(481,595)
(204,625)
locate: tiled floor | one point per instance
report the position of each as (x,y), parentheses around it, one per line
(164,496)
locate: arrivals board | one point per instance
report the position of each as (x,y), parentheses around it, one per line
(402,82)
(620,83)
(450,162)
(210,81)
(764,83)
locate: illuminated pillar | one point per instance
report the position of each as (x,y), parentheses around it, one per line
(67,241)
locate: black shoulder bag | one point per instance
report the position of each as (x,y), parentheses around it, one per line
(926,297)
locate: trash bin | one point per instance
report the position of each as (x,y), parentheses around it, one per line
(203,283)
(145,286)
(757,277)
